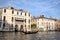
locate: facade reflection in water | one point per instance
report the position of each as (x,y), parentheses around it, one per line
(22,36)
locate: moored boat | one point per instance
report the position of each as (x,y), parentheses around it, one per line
(30,32)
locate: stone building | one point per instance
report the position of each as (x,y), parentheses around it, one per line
(33,20)
(57,25)
(12,19)
(45,23)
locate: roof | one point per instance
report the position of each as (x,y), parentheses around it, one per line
(13,8)
(43,17)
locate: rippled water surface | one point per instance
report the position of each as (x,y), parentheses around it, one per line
(22,36)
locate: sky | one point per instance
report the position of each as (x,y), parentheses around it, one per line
(35,7)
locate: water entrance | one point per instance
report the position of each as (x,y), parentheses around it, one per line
(21,28)
(16,27)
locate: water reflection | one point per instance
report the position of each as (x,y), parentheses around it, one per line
(22,36)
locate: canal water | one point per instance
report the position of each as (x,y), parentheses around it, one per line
(37,36)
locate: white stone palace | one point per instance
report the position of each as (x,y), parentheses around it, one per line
(46,23)
(12,19)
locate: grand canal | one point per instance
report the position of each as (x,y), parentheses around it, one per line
(22,36)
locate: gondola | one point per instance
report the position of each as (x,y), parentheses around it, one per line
(30,32)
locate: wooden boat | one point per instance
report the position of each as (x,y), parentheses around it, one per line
(31,32)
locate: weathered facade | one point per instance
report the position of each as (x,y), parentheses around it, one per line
(45,23)
(57,25)
(12,19)
(33,20)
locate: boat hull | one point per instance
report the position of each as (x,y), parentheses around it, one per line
(31,32)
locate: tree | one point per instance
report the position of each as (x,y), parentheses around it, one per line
(33,26)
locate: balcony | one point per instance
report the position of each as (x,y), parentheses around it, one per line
(18,21)
(18,16)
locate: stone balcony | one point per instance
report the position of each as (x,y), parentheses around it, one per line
(18,16)
(19,20)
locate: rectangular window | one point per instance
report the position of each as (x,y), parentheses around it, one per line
(29,26)
(17,13)
(12,11)
(3,25)
(12,19)
(25,20)
(11,25)
(4,18)
(29,14)
(4,10)
(21,13)
(29,21)
(25,14)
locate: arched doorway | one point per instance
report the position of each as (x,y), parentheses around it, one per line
(21,28)
(16,27)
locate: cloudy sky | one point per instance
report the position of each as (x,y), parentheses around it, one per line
(35,7)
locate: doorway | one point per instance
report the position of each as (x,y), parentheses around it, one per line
(21,28)
(16,27)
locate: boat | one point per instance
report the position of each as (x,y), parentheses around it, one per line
(30,32)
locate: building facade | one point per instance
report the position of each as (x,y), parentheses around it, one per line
(12,19)
(57,25)
(33,20)
(45,23)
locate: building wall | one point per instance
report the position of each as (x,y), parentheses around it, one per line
(0,14)
(8,19)
(21,15)
(57,25)
(34,21)
(0,18)
(46,24)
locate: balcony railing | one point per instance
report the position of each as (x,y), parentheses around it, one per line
(18,16)
(19,22)
(19,19)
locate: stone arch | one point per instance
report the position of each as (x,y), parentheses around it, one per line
(21,28)
(16,27)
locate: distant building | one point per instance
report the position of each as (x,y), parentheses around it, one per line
(33,20)
(45,23)
(12,19)
(57,25)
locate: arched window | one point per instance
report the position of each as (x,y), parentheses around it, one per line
(25,20)
(4,10)
(29,21)
(25,14)
(17,13)
(12,11)
(21,13)
(29,14)
(12,19)
(4,18)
